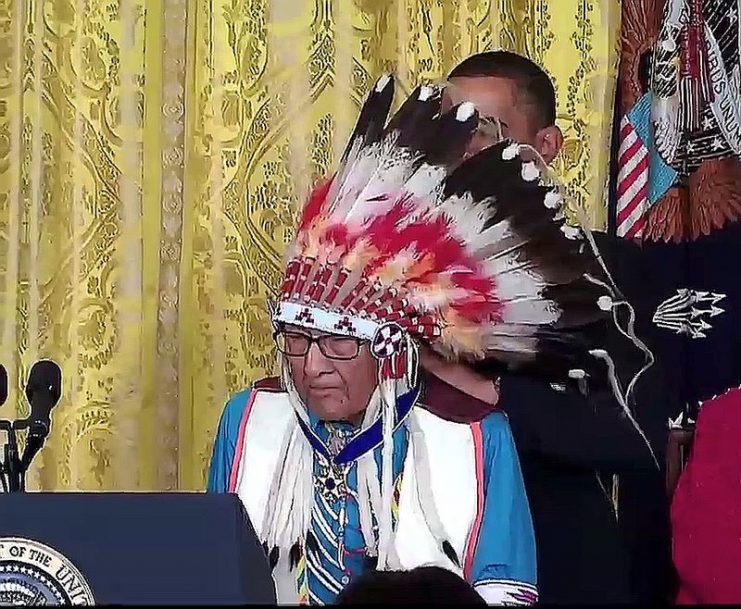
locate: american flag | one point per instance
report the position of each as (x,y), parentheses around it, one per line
(632,182)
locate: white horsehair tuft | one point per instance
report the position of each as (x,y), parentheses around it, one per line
(382,82)
(552,199)
(605,303)
(511,151)
(530,171)
(570,232)
(465,111)
(425,92)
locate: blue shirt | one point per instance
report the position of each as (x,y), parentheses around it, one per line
(505,551)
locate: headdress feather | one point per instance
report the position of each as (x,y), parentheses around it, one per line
(468,253)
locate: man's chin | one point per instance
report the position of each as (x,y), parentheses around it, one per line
(329,414)
(326,399)
(325,403)
(329,410)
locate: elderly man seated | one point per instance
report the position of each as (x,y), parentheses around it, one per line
(340,463)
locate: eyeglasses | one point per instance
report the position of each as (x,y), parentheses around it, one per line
(297,344)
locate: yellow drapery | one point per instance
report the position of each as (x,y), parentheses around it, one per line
(152,157)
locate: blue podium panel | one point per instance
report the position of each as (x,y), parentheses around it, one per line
(131,548)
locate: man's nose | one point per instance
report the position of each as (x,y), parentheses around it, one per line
(315,362)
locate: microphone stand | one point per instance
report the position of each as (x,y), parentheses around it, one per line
(5,426)
(12,469)
(37,434)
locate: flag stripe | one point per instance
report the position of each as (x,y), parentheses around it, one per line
(631,162)
(636,230)
(630,178)
(635,196)
(632,182)
(638,211)
(628,147)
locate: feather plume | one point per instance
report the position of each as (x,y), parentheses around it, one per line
(468,253)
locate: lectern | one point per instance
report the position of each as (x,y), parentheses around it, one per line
(130,548)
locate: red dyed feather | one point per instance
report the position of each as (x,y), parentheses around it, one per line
(315,203)
(337,234)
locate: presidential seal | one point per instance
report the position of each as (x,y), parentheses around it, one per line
(34,574)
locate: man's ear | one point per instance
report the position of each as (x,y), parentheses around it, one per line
(548,143)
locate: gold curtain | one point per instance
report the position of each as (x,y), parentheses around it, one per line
(152,157)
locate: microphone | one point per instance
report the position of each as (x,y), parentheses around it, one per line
(5,425)
(43,391)
(3,385)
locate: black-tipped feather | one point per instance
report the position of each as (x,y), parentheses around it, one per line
(274,557)
(311,543)
(536,246)
(372,119)
(413,118)
(294,556)
(448,137)
(521,205)
(450,553)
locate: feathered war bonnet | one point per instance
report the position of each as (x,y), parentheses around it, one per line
(413,240)
(409,238)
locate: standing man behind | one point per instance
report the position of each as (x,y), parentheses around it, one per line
(568,443)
